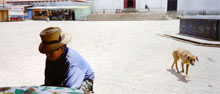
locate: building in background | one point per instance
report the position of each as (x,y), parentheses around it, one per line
(60,12)
(199,7)
(108,6)
(184,7)
(3,14)
(12,13)
(16,13)
(42,3)
(3,11)
(54,9)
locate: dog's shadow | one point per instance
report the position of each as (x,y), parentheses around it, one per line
(178,75)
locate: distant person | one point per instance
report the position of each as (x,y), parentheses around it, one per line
(73,15)
(146,7)
(65,67)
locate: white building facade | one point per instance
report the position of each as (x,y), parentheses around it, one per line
(183,7)
(199,7)
(109,6)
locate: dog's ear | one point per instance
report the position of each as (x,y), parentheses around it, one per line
(197,59)
(187,57)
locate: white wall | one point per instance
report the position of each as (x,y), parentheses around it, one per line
(152,4)
(108,5)
(111,5)
(199,7)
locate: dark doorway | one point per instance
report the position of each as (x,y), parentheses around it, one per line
(172,5)
(129,3)
(73,15)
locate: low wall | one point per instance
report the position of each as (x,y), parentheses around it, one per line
(201,26)
(198,12)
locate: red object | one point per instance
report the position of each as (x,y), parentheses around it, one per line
(13,19)
(134,3)
(22,8)
(16,19)
(118,10)
(125,3)
(9,8)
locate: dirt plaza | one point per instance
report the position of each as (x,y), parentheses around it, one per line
(127,56)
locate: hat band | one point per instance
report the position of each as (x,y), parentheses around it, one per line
(52,42)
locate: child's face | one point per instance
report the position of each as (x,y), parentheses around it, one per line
(54,55)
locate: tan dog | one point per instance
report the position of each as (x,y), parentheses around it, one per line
(186,57)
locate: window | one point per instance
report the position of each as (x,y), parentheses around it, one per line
(40,13)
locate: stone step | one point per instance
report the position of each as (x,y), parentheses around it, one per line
(127,17)
(129,10)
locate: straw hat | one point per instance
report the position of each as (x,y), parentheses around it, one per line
(52,39)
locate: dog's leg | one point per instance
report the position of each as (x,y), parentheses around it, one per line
(182,64)
(175,58)
(174,62)
(187,70)
(177,68)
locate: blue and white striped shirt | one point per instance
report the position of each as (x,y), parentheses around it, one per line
(68,71)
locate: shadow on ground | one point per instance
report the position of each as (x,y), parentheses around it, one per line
(179,76)
(197,37)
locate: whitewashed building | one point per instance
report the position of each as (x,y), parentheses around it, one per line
(183,7)
(39,3)
(107,6)
(110,6)
(199,7)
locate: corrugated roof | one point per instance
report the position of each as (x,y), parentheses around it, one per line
(48,0)
(40,0)
(60,7)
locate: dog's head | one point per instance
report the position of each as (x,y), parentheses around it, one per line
(192,59)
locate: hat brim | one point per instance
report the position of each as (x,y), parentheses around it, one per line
(45,48)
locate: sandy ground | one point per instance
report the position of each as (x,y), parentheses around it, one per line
(128,57)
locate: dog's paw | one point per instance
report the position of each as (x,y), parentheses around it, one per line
(187,77)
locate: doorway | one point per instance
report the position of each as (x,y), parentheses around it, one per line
(129,3)
(3,15)
(172,5)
